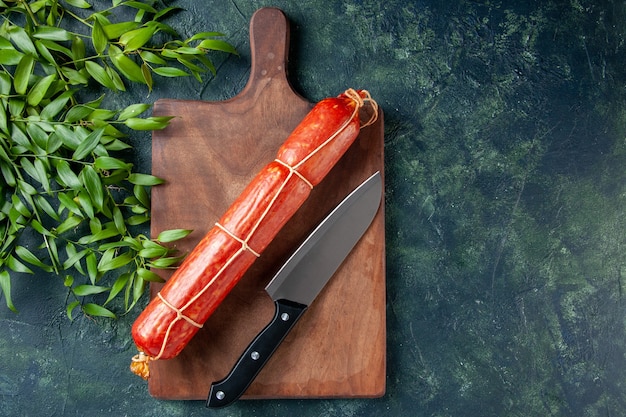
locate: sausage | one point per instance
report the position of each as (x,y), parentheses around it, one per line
(226,252)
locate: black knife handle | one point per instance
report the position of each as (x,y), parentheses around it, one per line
(253,359)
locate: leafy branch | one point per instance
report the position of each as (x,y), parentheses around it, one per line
(65,182)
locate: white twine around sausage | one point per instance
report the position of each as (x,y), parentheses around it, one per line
(293,170)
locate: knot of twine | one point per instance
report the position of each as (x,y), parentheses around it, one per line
(139,365)
(179,312)
(361,101)
(242,242)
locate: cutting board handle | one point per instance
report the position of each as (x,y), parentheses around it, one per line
(269,47)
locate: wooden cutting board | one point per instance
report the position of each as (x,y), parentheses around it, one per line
(207,155)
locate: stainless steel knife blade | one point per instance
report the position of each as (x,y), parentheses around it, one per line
(312,265)
(300,280)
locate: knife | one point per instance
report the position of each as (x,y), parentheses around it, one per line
(299,281)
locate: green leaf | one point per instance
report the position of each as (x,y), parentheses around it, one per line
(38,135)
(79,3)
(96,310)
(28,257)
(42,174)
(117,145)
(118,219)
(17,266)
(75,77)
(86,289)
(108,162)
(95,225)
(101,115)
(70,308)
(217,45)
(23,72)
(53,252)
(118,286)
(68,281)
(7,173)
(88,144)
(137,38)
(44,51)
(115,262)
(147,75)
(105,233)
(165,11)
(100,75)
(52,33)
(27,190)
(5,43)
(66,201)
(78,112)
(152,249)
(38,227)
(10,57)
(150,253)
(73,256)
(39,90)
(117,80)
(125,65)
(4,156)
(78,51)
(134,242)
(161,263)
(22,40)
(85,203)
(147,275)
(149,123)
(141,6)
(115,30)
(98,37)
(3,118)
(118,244)
(172,235)
(204,35)
(170,72)
(45,44)
(92,267)
(19,206)
(137,209)
(54,143)
(133,110)
(92,182)
(188,50)
(152,58)
(139,286)
(29,167)
(142,195)
(163,27)
(66,176)
(68,224)
(195,69)
(47,207)
(55,107)
(5,83)
(144,179)
(137,220)
(5,286)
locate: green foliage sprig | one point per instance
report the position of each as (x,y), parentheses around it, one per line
(64,180)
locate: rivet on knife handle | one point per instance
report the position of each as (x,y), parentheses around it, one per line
(253,359)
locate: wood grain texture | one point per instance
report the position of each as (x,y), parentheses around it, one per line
(208,155)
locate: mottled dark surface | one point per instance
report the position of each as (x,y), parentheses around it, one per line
(505,156)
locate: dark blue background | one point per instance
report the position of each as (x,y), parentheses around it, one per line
(505,131)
